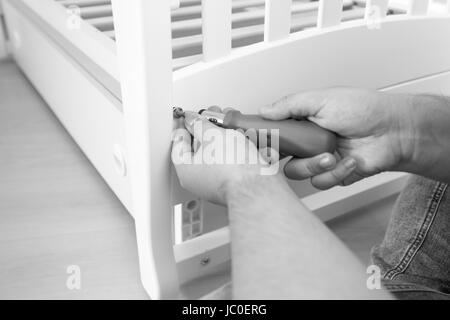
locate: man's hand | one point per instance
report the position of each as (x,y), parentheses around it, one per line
(371,128)
(213,160)
(272,233)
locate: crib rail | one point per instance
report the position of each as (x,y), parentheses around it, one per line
(247,21)
(252,21)
(3,49)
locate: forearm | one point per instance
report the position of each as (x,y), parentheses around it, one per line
(281,250)
(429,153)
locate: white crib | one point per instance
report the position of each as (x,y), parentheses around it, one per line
(116,100)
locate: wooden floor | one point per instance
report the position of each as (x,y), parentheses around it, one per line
(56,211)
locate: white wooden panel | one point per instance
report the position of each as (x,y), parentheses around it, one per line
(3,51)
(52,21)
(418,7)
(376,9)
(216,28)
(174,4)
(92,118)
(86,38)
(330,13)
(214,246)
(145,61)
(277,19)
(333,203)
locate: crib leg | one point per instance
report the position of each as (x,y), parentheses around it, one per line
(143,34)
(3,51)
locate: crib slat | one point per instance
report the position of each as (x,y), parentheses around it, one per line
(278,19)
(3,51)
(216,28)
(174,4)
(253,34)
(84,3)
(195,11)
(376,9)
(243,17)
(418,7)
(184,27)
(330,13)
(95,11)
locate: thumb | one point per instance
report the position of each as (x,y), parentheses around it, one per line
(269,155)
(300,105)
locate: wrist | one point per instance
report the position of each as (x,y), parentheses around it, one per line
(426,119)
(251,187)
(403,129)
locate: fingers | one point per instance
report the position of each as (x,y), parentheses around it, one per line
(197,125)
(269,155)
(215,109)
(294,106)
(179,124)
(337,176)
(226,110)
(299,169)
(189,120)
(181,149)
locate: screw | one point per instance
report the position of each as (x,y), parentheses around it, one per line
(205,261)
(178,113)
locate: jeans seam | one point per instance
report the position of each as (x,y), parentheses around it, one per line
(410,287)
(421,234)
(418,290)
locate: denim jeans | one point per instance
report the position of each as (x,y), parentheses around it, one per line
(414,256)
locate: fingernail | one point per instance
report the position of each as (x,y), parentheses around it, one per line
(326,162)
(350,163)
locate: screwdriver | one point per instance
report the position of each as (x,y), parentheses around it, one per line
(297,138)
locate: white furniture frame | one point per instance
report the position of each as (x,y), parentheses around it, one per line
(3,50)
(116,101)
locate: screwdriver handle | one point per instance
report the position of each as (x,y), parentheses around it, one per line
(298,138)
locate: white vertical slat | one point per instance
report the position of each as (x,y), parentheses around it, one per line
(376,9)
(216,15)
(174,4)
(448,6)
(277,19)
(3,51)
(418,7)
(145,63)
(330,13)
